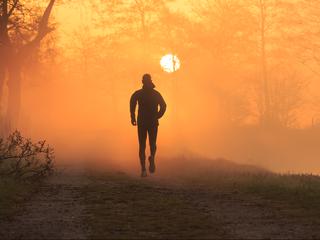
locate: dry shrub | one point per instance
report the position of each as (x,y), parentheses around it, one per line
(23,159)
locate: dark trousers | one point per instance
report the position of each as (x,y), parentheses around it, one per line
(152,132)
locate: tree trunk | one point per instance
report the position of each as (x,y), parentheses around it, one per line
(266,96)
(14,96)
(3,76)
(2,80)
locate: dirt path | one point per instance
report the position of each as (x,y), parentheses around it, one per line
(119,206)
(57,211)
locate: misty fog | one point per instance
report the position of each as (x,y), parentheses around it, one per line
(247,89)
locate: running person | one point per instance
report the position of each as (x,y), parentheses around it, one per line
(148,101)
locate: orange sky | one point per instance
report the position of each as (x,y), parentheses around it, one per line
(200,116)
(71,16)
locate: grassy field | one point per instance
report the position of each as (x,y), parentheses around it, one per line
(302,190)
(299,190)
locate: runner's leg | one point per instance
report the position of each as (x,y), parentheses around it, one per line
(153,132)
(142,135)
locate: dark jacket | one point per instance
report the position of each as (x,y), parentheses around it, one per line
(148,100)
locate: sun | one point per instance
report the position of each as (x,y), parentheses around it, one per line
(170,63)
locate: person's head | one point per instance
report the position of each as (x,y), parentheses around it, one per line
(146,78)
(147,81)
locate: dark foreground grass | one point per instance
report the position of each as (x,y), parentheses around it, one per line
(13,194)
(122,207)
(299,190)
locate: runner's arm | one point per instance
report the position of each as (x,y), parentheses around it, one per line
(133,104)
(163,106)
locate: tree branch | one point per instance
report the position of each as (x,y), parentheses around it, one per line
(4,18)
(4,9)
(12,8)
(43,28)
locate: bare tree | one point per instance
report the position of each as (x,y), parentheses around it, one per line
(281,90)
(247,41)
(18,41)
(309,42)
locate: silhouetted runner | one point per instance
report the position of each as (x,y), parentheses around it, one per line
(149,101)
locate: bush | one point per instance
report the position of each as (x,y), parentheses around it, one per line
(22,159)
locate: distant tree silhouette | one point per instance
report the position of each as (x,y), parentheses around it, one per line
(308,38)
(251,44)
